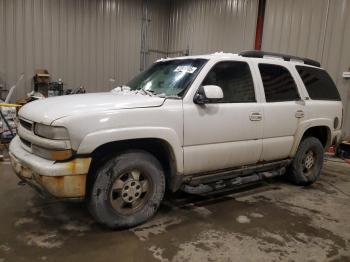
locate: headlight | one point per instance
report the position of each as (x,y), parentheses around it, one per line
(52,154)
(51,132)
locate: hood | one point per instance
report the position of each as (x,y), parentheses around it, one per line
(46,111)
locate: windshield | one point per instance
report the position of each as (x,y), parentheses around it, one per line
(168,78)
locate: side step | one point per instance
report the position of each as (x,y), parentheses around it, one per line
(227,184)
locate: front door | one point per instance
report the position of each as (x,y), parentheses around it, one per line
(228,133)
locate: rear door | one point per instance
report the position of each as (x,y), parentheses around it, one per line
(283,110)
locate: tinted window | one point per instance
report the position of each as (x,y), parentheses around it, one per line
(235,79)
(318,83)
(278,83)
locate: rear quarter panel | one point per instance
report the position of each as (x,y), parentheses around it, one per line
(319,113)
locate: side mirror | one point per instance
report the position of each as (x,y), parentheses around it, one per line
(208,94)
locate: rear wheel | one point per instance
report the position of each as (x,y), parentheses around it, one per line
(307,164)
(128,190)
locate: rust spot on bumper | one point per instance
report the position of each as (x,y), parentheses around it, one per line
(71,184)
(63,186)
(79,166)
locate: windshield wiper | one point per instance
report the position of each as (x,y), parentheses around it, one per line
(171,96)
(148,92)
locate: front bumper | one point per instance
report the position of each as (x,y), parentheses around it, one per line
(59,179)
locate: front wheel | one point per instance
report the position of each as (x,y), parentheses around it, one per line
(128,190)
(307,164)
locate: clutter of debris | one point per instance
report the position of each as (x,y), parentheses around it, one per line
(43,87)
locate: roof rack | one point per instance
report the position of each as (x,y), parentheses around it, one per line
(261,54)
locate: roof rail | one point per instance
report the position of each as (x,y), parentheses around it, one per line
(261,54)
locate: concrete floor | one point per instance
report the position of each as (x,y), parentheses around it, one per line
(272,221)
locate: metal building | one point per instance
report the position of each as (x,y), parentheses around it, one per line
(87,42)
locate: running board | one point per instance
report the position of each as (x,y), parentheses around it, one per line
(206,178)
(231,183)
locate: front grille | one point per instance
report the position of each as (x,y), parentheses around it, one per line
(26,125)
(26,142)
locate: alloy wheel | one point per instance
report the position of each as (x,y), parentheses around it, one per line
(130,191)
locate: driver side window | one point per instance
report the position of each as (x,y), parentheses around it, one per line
(235,79)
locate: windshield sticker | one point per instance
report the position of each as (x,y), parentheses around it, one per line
(185,69)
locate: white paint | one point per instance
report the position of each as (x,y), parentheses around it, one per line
(220,155)
(43,166)
(213,92)
(84,104)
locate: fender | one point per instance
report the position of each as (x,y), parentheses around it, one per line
(93,140)
(304,126)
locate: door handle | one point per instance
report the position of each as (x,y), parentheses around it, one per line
(255,116)
(299,114)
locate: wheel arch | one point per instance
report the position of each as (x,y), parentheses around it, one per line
(321,131)
(159,148)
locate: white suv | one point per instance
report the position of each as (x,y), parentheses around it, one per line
(200,124)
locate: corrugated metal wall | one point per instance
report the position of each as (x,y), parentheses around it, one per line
(178,27)
(158,29)
(295,27)
(84,42)
(206,26)
(87,42)
(336,54)
(318,29)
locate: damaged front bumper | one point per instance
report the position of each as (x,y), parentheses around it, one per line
(60,179)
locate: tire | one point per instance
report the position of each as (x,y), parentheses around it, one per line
(308,161)
(128,190)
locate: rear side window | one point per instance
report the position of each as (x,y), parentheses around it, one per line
(318,83)
(278,83)
(235,80)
